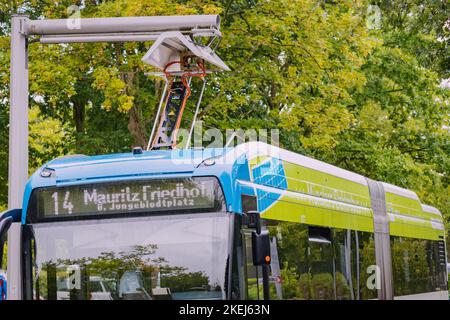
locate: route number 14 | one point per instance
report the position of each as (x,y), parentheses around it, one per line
(66,205)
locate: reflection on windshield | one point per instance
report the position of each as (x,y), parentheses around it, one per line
(163,257)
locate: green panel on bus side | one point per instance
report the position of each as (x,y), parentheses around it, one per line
(320,184)
(294,210)
(431,216)
(404,205)
(256,161)
(314,182)
(303,211)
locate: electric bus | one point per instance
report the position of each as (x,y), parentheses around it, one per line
(252,221)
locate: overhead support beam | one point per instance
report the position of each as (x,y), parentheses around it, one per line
(121,37)
(126,37)
(123,24)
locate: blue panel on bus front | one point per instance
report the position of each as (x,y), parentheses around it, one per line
(269,173)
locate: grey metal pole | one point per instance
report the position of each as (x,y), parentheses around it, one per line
(18,112)
(163,96)
(188,144)
(14,268)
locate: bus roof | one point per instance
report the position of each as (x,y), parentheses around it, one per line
(128,164)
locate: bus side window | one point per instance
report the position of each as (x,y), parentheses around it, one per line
(312,263)
(364,263)
(290,276)
(254,284)
(418,266)
(322,283)
(289,271)
(343,248)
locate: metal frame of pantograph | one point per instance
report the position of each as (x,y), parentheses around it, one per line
(173,36)
(180,60)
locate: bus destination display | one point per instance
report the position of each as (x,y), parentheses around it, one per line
(126,197)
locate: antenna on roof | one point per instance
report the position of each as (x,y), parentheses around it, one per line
(180,58)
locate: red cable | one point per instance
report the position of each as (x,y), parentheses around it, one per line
(199,63)
(168,65)
(188,89)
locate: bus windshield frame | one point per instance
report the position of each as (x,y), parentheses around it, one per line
(195,242)
(34,214)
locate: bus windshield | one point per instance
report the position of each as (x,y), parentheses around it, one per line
(180,256)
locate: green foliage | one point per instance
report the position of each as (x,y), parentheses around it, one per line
(291,282)
(4,256)
(48,138)
(295,65)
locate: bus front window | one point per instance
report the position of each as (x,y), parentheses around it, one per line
(172,256)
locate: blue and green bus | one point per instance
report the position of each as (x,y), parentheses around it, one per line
(180,224)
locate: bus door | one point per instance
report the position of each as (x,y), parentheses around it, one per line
(302,264)
(254,275)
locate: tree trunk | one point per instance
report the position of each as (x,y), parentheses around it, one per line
(79,115)
(136,126)
(136,122)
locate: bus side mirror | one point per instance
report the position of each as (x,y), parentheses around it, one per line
(261,248)
(4,227)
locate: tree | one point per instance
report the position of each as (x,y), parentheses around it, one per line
(295,65)
(400,134)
